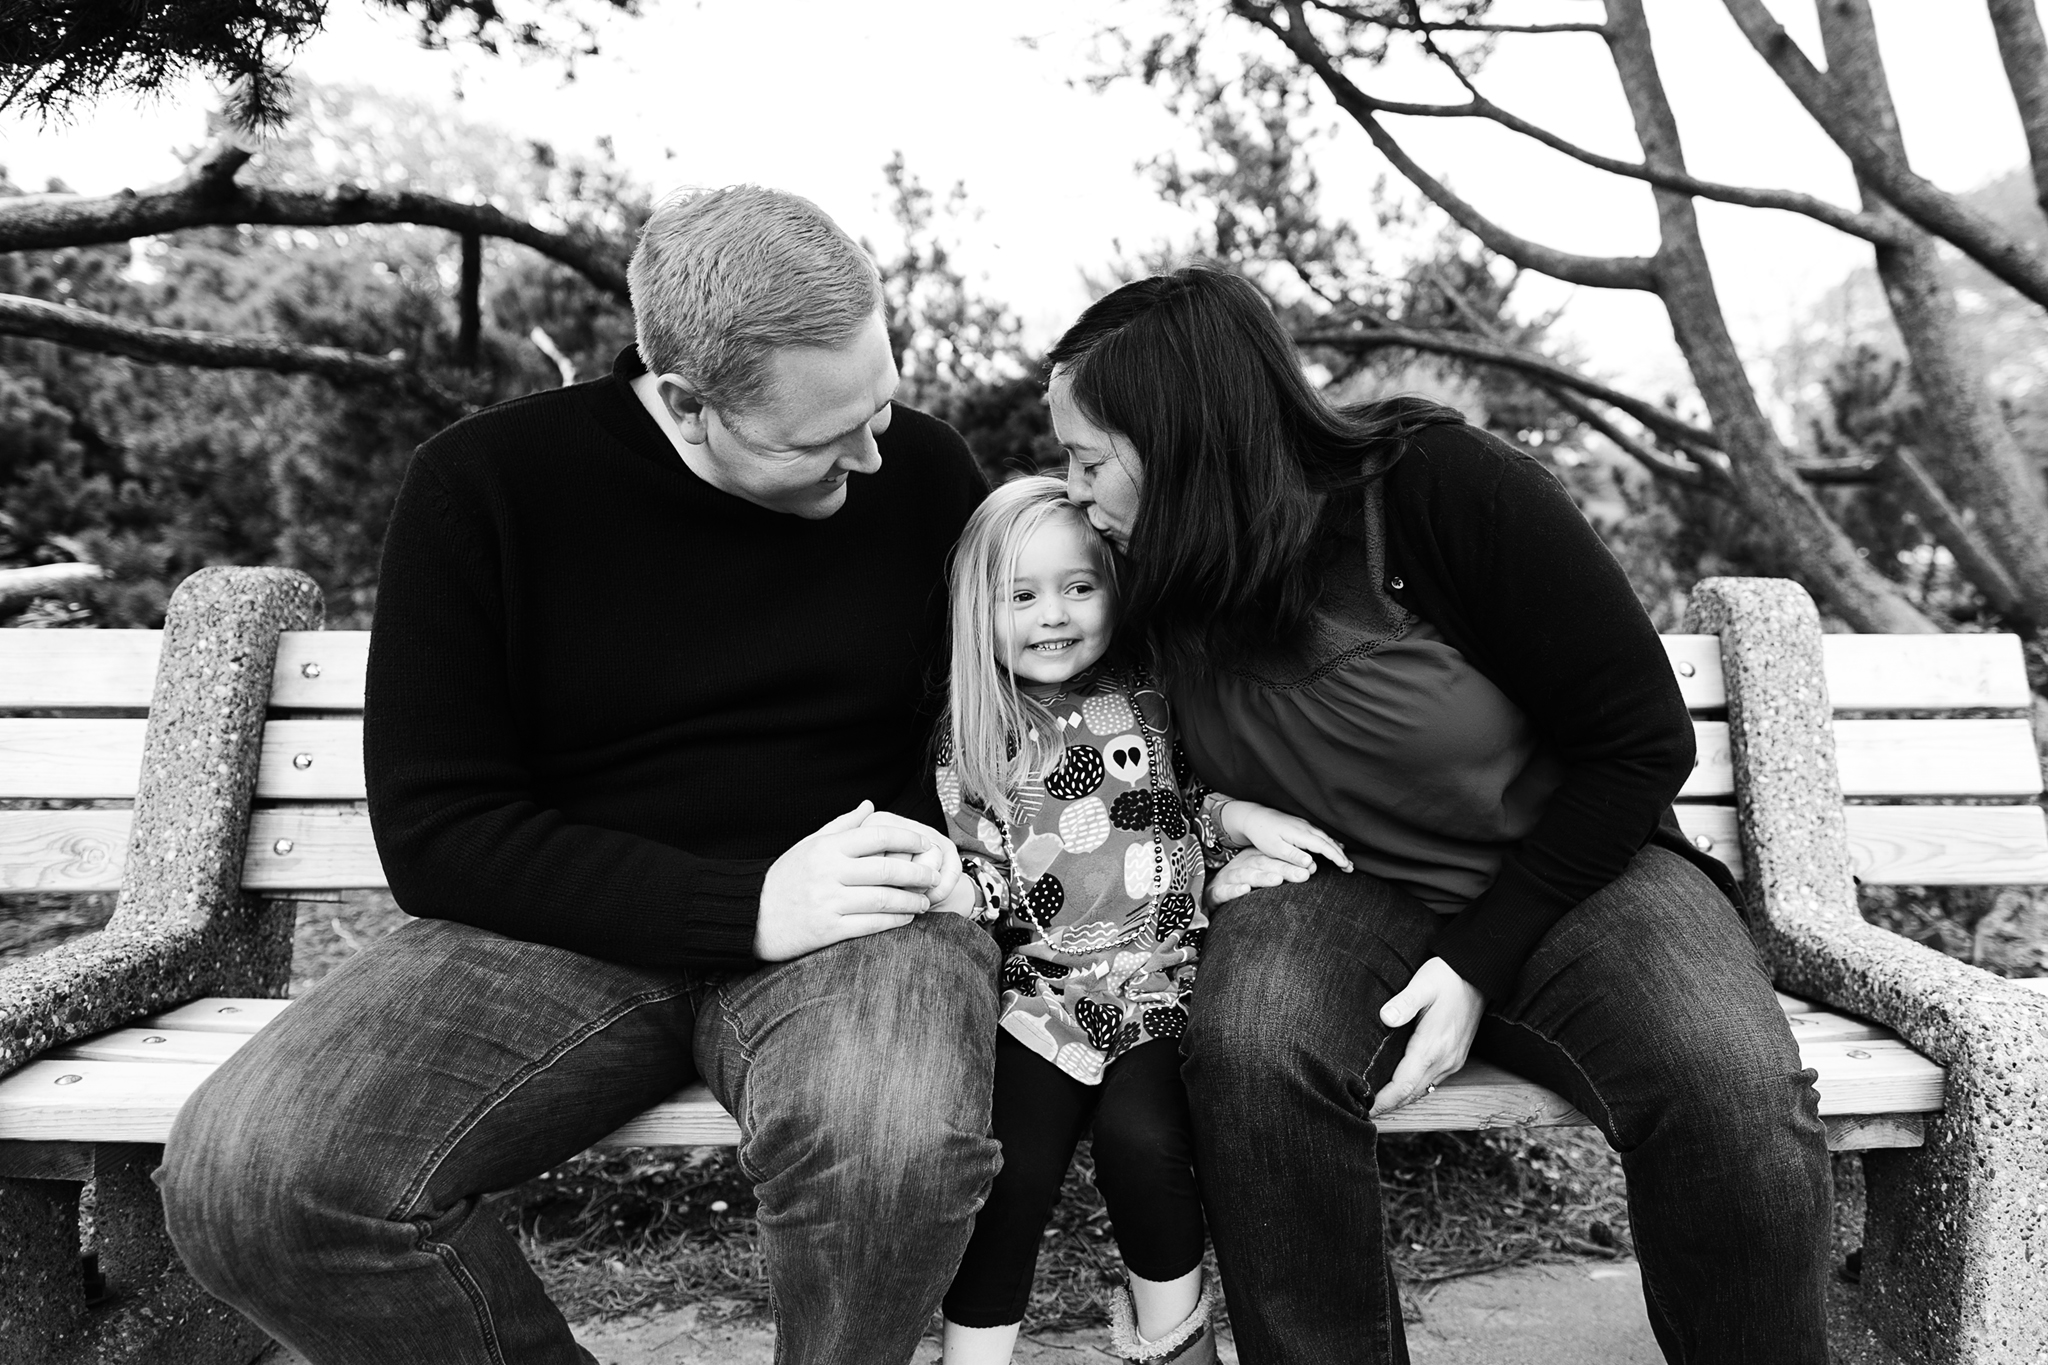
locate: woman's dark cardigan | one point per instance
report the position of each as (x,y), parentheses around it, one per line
(1485,544)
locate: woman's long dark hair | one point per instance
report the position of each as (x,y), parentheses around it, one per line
(1244,463)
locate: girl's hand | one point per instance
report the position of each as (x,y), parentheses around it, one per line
(1247,870)
(1277,834)
(1446,1009)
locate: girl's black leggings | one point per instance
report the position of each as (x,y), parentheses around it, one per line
(1144,1166)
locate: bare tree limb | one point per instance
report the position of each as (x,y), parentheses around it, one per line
(1972,555)
(1487,352)
(1866,225)
(1703,474)
(2024,49)
(1972,454)
(1767,483)
(79,327)
(19,587)
(1419,25)
(1887,171)
(208,195)
(1598,272)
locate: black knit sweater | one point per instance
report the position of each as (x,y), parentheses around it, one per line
(1487,546)
(604,696)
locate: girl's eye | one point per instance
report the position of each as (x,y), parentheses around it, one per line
(1021,598)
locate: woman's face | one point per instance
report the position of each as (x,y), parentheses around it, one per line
(1103,473)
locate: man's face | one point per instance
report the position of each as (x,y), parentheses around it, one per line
(814,425)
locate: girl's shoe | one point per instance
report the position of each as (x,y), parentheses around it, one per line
(1193,1342)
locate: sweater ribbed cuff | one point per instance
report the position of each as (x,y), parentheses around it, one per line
(721,910)
(1488,941)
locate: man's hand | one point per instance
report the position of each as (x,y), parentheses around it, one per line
(1449,1008)
(840,883)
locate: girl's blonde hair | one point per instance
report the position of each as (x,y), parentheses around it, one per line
(1003,738)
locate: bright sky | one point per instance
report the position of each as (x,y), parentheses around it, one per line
(815,94)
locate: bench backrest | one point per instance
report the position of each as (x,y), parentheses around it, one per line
(1920,719)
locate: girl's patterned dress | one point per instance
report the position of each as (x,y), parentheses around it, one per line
(1094,889)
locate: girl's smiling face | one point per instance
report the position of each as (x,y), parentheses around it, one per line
(1058,615)
(1103,472)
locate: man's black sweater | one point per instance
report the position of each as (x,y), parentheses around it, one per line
(604,696)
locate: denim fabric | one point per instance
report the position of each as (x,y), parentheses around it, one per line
(1645,1005)
(328,1180)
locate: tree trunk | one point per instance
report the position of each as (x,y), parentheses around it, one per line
(1973,456)
(2025,51)
(1767,486)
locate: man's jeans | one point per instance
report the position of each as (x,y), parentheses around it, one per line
(1646,1006)
(328,1180)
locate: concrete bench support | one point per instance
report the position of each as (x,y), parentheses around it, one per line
(183,927)
(1956,1241)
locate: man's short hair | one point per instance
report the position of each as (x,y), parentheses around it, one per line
(723,277)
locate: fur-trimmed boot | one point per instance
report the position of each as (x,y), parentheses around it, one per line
(1192,1342)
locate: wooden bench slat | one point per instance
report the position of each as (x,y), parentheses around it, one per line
(320,670)
(43,670)
(311,760)
(1696,662)
(218,1014)
(151,1045)
(1925,672)
(92,669)
(1993,758)
(70,759)
(311,848)
(62,850)
(322,760)
(128,1089)
(1880,672)
(329,848)
(1912,845)
(83,757)
(1948,845)
(89,670)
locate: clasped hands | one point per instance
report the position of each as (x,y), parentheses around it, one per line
(861,873)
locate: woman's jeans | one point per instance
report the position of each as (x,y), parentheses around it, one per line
(1645,1005)
(328,1180)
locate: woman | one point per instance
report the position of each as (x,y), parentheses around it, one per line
(1401,629)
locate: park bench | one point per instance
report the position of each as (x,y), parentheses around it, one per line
(212,775)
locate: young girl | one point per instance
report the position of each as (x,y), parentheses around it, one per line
(1088,843)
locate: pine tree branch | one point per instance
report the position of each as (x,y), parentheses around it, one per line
(208,195)
(1597,272)
(90,331)
(1887,172)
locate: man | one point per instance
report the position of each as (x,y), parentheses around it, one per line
(650,653)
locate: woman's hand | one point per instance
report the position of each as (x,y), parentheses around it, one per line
(1446,1009)
(1247,870)
(1289,838)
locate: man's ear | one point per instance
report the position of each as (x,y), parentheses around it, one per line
(684,407)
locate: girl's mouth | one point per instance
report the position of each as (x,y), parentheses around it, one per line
(1053,646)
